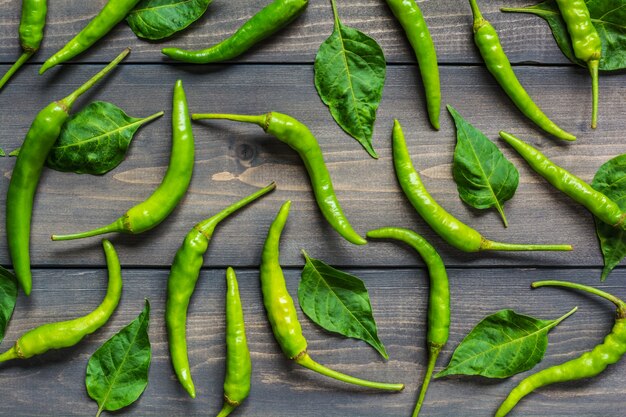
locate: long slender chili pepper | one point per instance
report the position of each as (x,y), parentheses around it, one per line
(596,202)
(182,282)
(111,14)
(152,211)
(68,333)
(282,314)
(588,365)
(486,38)
(32,23)
(40,138)
(265,23)
(439,298)
(410,17)
(238,365)
(299,138)
(585,42)
(453,231)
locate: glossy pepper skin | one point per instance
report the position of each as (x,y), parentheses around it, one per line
(32,23)
(488,43)
(182,283)
(452,230)
(68,333)
(596,202)
(265,23)
(282,314)
(111,14)
(585,42)
(238,363)
(439,297)
(299,138)
(152,211)
(588,365)
(40,138)
(410,17)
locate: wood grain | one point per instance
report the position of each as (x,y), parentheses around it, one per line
(525,38)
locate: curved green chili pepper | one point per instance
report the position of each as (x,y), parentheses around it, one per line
(152,211)
(410,17)
(68,333)
(238,365)
(588,365)
(596,202)
(282,314)
(299,138)
(453,231)
(486,38)
(265,23)
(439,298)
(32,23)
(40,138)
(182,282)
(585,42)
(111,14)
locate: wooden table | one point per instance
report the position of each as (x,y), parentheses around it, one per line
(233,160)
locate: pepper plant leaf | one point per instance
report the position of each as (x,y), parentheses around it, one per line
(611,180)
(2,153)
(350,73)
(117,373)
(483,175)
(338,302)
(95,140)
(8,295)
(501,345)
(158,19)
(609,19)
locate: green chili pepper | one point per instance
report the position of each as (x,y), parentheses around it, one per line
(439,298)
(265,23)
(585,42)
(410,17)
(596,202)
(238,366)
(299,138)
(111,14)
(182,282)
(42,134)
(453,231)
(588,365)
(32,23)
(152,211)
(282,314)
(486,38)
(68,333)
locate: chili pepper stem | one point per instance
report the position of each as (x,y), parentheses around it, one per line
(18,64)
(432,359)
(478,16)
(116,226)
(227,408)
(9,355)
(255,119)
(593,70)
(69,100)
(487,244)
(305,360)
(621,305)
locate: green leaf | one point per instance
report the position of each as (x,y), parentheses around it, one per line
(611,180)
(158,19)
(8,295)
(501,345)
(15,152)
(609,19)
(117,373)
(350,72)
(338,302)
(483,176)
(95,140)
(2,153)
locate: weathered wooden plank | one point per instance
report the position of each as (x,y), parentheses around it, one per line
(233,160)
(54,383)
(526,38)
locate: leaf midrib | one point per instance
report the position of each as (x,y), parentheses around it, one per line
(103,135)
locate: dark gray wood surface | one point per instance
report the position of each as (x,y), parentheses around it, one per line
(233,160)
